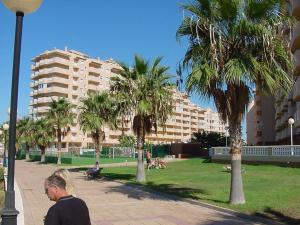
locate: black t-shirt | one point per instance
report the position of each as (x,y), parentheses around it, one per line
(68,211)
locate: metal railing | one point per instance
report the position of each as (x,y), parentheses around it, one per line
(280,150)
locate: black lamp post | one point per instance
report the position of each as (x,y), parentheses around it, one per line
(20,7)
(5,128)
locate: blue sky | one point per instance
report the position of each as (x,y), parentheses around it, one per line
(115,28)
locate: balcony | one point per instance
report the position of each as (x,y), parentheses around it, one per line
(44,109)
(296,38)
(51,71)
(55,80)
(45,91)
(297,118)
(33,84)
(54,60)
(93,87)
(296,8)
(296,91)
(297,63)
(94,79)
(94,70)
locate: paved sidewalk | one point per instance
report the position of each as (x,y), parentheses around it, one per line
(113,203)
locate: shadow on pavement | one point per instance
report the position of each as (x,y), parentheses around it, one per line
(226,220)
(272,214)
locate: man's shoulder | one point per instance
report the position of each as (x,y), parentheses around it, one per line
(70,200)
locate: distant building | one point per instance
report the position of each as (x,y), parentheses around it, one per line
(71,74)
(271,114)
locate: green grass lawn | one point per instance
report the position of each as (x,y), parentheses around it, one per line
(84,161)
(270,191)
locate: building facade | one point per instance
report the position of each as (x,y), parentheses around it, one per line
(276,110)
(71,74)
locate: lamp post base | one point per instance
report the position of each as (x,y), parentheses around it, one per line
(9,213)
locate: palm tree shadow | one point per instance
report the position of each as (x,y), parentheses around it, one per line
(146,191)
(227,220)
(270,213)
(150,189)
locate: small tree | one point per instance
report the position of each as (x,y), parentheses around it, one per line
(127,140)
(147,91)
(43,135)
(25,134)
(209,139)
(97,111)
(61,117)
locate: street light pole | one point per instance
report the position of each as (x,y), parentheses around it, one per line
(291,121)
(20,7)
(5,128)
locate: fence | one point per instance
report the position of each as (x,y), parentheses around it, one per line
(291,151)
(280,153)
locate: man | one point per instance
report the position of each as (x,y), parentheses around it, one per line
(148,159)
(67,210)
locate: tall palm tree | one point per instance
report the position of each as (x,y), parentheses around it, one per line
(61,117)
(148,95)
(97,111)
(234,46)
(25,134)
(43,135)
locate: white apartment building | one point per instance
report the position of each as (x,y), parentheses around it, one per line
(270,114)
(71,74)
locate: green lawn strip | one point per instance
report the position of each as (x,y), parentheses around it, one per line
(271,191)
(82,161)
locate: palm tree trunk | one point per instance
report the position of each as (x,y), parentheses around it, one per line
(43,150)
(27,152)
(123,121)
(98,152)
(236,188)
(101,139)
(140,173)
(58,146)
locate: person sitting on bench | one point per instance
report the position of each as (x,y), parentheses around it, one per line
(93,172)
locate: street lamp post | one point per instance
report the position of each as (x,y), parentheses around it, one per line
(226,134)
(5,128)
(20,7)
(291,121)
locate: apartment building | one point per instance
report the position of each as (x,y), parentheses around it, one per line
(279,108)
(71,74)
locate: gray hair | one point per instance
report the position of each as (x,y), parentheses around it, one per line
(63,173)
(57,181)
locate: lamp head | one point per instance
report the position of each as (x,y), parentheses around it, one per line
(291,121)
(5,126)
(25,6)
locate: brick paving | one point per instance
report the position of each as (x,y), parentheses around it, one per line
(114,203)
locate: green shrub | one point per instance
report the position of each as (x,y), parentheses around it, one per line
(35,157)
(1,174)
(21,154)
(53,159)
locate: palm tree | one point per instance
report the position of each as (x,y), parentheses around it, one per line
(97,111)
(43,135)
(61,117)
(234,46)
(25,134)
(148,95)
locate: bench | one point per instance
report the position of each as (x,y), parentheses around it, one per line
(95,174)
